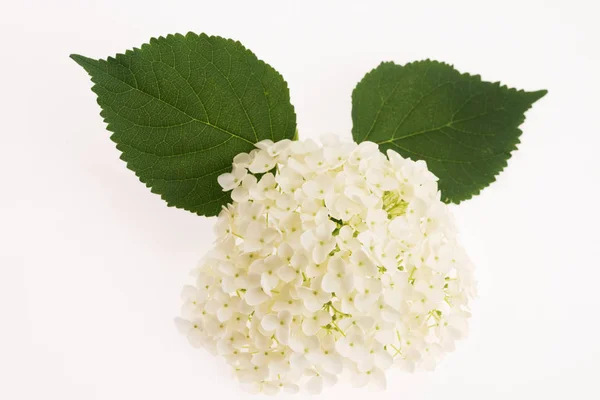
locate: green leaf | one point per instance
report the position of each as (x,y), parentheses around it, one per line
(464,128)
(181,107)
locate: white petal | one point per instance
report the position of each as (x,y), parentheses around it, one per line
(366,364)
(405,365)
(390,315)
(378,379)
(323,318)
(299,362)
(360,380)
(314,385)
(343,348)
(363,303)
(264,144)
(224,313)
(261,342)
(312,304)
(311,188)
(262,162)
(383,359)
(384,336)
(269,322)
(240,194)
(333,364)
(347,284)
(227,181)
(285,317)
(270,389)
(286,273)
(330,283)
(189,310)
(268,282)
(328,379)
(241,160)
(255,296)
(188,293)
(308,240)
(283,334)
(310,326)
(320,253)
(297,344)
(196,338)
(183,326)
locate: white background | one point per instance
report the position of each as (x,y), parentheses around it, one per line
(92,262)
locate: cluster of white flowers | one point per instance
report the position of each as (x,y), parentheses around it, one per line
(330,259)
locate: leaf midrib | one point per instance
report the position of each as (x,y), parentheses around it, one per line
(437,128)
(166,103)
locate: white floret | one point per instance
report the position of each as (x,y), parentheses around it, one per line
(330,258)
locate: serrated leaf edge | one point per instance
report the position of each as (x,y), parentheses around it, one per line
(77,58)
(541,93)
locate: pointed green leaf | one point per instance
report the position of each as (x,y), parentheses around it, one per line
(464,128)
(181,107)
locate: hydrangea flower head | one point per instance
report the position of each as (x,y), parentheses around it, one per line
(331,258)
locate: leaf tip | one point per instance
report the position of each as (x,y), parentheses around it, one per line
(84,62)
(78,58)
(538,94)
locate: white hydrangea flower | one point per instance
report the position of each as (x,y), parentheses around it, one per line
(331,258)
